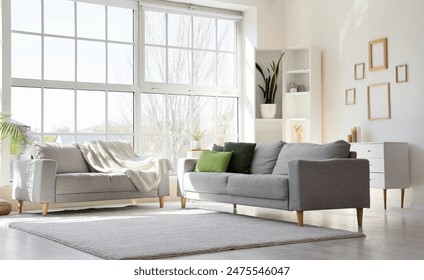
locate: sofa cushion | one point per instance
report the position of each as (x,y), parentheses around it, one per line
(217,148)
(241,159)
(210,161)
(74,183)
(69,158)
(259,185)
(265,156)
(206,182)
(309,151)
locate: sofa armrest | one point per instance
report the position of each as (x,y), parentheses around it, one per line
(329,184)
(184,165)
(35,180)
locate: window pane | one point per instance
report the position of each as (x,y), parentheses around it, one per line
(226,70)
(26,56)
(91,62)
(59,17)
(154,146)
(89,137)
(204,71)
(204,118)
(120,64)
(120,24)
(58,110)
(179,66)
(127,138)
(155,64)
(91,116)
(91,21)
(26,15)
(154,28)
(120,112)
(179,30)
(178,112)
(226,35)
(227,116)
(26,107)
(59,59)
(54,138)
(153,110)
(204,33)
(178,147)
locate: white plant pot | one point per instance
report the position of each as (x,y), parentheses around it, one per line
(268,111)
(195,145)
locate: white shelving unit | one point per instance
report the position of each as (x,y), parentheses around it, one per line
(296,111)
(302,109)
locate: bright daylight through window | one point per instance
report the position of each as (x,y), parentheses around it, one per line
(79,73)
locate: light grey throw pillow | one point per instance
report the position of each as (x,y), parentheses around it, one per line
(265,156)
(309,151)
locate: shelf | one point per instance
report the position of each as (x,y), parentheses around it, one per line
(298,93)
(269,120)
(303,71)
(297,119)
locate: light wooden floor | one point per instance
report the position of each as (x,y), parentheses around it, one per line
(395,234)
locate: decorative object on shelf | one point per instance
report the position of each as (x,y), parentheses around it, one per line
(379,101)
(377,55)
(270,88)
(197,135)
(293,86)
(359,71)
(299,131)
(350,96)
(402,73)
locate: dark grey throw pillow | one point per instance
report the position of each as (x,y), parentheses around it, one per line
(242,156)
(217,148)
(309,151)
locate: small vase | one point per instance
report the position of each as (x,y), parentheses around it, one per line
(195,145)
(268,111)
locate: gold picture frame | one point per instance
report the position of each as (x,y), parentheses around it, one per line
(359,71)
(377,55)
(402,73)
(379,101)
(350,96)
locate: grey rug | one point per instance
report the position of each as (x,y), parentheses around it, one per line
(137,233)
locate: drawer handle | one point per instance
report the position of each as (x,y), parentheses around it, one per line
(369,151)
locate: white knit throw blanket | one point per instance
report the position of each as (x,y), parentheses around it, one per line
(115,156)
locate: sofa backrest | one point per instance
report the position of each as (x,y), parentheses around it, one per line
(68,156)
(265,156)
(309,151)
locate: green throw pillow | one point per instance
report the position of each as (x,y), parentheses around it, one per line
(242,156)
(211,161)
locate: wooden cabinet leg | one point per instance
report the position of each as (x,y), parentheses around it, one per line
(183,202)
(161,201)
(385,198)
(20,206)
(402,197)
(299,218)
(44,209)
(359,215)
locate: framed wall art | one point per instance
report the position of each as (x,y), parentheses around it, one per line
(350,96)
(377,55)
(359,71)
(402,73)
(379,101)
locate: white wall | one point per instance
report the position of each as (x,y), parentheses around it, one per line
(343,29)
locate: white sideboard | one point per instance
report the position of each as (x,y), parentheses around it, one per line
(389,165)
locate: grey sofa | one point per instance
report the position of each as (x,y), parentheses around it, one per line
(58,173)
(290,176)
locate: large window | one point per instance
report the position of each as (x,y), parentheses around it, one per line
(189,81)
(73,69)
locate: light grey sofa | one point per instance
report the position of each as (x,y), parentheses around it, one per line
(290,176)
(58,173)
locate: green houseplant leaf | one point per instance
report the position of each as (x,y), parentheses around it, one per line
(16,133)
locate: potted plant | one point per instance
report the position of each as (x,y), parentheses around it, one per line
(16,133)
(197,135)
(269,108)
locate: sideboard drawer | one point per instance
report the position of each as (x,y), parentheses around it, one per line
(376,165)
(377,180)
(369,151)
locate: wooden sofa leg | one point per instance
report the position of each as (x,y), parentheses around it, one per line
(161,201)
(234,206)
(134,201)
(44,209)
(183,202)
(299,218)
(20,206)
(359,215)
